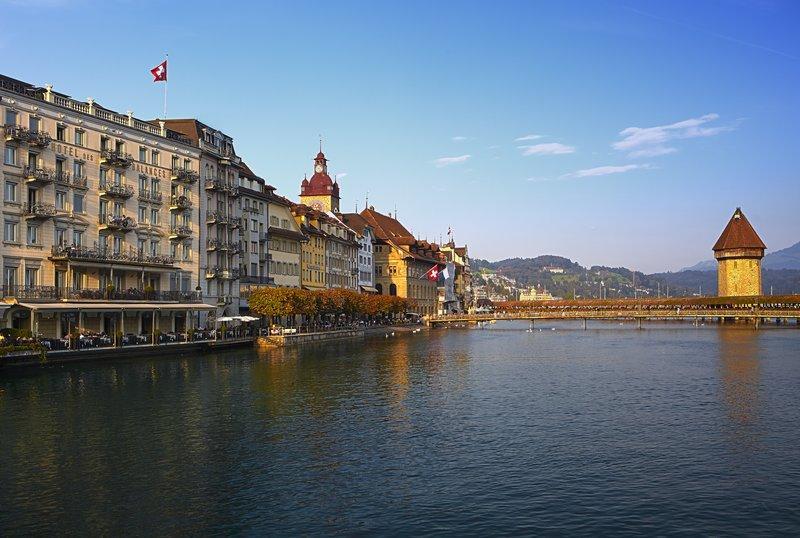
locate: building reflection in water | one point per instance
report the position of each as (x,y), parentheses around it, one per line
(740,383)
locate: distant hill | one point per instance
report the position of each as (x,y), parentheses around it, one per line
(787,258)
(576,280)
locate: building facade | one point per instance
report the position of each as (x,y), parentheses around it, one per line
(739,251)
(459,256)
(91,201)
(286,242)
(366,240)
(218,214)
(401,262)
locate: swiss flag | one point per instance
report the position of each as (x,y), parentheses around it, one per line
(160,72)
(433,273)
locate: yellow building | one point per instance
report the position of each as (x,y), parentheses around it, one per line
(401,262)
(738,252)
(312,252)
(286,242)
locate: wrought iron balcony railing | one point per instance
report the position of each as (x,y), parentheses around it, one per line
(180,203)
(117,223)
(15,133)
(40,139)
(110,293)
(256,280)
(38,175)
(216,244)
(185,176)
(217,217)
(38,210)
(115,190)
(115,158)
(216,184)
(98,254)
(180,232)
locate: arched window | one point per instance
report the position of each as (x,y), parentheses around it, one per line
(392,289)
(379,287)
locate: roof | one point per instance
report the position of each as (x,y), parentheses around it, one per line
(739,233)
(390,230)
(355,221)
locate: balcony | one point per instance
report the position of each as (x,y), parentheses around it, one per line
(28,293)
(217,217)
(263,237)
(179,203)
(216,184)
(132,294)
(38,176)
(217,272)
(65,178)
(15,133)
(40,139)
(235,248)
(180,232)
(235,222)
(38,210)
(115,158)
(75,253)
(184,176)
(214,245)
(150,196)
(214,272)
(117,223)
(114,190)
(233,192)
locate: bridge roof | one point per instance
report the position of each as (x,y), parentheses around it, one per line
(739,233)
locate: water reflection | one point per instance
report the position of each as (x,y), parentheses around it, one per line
(739,363)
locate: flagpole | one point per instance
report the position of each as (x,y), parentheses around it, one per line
(165,90)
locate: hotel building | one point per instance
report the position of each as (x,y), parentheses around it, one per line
(99,216)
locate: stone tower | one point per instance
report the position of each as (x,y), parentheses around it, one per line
(738,252)
(320,192)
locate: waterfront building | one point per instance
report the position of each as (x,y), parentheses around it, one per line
(254,252)
(218,212)
(341,253)
(285,241)
(739,251)
(463,274)
(366,240)
(402,261)
(312,252)
(99,216)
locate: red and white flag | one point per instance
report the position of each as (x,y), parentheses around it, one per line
(160,72)
(432,274)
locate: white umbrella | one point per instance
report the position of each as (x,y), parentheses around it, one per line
(225,318)
(248,318)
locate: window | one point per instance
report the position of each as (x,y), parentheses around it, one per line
(77,169)
(33,123)
(176,162)
(117,244)
(254,246)
(61,133)
(142,154)
(77,203)
(77,238)
(187,164)
(253,269)
(273,220)
(10,231)
(80,137)
(142,214)
(31,276)
(154,158)
(33,235)
(155,248)
(187,251)
(141,246)
(60,236)
(10,276)
(392,270)
(10,155)
(155,185)
(11,117)
(119,179)
(11,191)
(154,217)
(61,200)
(104,143)
(143,184)
(173,250)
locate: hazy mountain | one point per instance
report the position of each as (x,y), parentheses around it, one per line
(787,258)
(576,280)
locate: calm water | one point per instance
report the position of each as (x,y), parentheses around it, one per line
(456,432)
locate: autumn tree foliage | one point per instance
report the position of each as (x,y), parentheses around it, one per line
(278,302)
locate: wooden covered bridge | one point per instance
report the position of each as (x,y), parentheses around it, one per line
(756,309)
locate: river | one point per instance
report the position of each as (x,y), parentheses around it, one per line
(668,430)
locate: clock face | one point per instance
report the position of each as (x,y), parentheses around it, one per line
(318,168)
(317,205)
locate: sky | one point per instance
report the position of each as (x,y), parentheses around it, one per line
(615,133)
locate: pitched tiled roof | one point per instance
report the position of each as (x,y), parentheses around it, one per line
(739,233)
(355,221)
(390,230)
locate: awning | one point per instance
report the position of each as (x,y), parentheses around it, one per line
(114,307)
(369,289)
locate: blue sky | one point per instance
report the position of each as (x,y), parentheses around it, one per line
(613,132)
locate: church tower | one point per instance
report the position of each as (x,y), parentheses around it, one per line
(738,252)
(320,192)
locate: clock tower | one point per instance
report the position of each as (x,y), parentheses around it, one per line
(320,192)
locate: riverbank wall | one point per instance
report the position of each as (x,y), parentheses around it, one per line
(306,338)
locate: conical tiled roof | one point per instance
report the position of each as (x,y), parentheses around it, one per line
(739,233)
